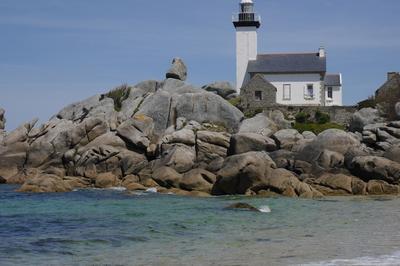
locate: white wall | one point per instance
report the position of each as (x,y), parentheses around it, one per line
(246,49)
(336,96)
(298,84)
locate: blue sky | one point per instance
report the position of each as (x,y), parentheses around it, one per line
(55,52)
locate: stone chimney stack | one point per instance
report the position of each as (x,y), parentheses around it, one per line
(390,75)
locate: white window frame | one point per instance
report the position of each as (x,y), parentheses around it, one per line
(289,96)
(327,92)
(307,95)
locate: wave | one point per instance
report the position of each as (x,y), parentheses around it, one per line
(384,260)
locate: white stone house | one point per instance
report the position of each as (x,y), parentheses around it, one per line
(300,78)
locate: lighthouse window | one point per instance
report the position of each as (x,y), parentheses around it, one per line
(258,95)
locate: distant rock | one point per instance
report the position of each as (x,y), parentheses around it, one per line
(178,70)
(2,119)
(222,88)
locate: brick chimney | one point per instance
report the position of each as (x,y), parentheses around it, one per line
(390,75)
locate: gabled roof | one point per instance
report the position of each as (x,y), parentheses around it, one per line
(333,80)
(288,63)
(258,82)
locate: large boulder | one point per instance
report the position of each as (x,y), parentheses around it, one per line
(207,107)
(287,138)
(364,117)
(211,146)
(222,88)
(137,132)
(197,180)
(393,153)
(286,183)
(177,156)
(178,70)
(45,183)
(260,124)
(243,172)
(245,142)
(340,184)
(376,168)
(380,187)
(167,177)
(106,180)
(334,140)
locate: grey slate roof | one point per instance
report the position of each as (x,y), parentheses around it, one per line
(288,63)
(332,80)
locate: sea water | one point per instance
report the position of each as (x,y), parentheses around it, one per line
(115,227)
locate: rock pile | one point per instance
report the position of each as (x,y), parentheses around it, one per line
(177,138)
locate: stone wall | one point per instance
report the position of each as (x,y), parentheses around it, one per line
(339,114)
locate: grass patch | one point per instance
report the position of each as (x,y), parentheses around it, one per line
(235,102)
(316,127)
(253,112)
(119,94)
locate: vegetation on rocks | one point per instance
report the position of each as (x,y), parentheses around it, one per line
(316,128)
(119,94)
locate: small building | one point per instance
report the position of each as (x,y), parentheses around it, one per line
(299,78)
(388,95)
(258,93)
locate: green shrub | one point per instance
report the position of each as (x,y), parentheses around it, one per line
(302,117)
(253,112)
(322,118)
(235,102)
(369,103)
(119,94)
(316,127)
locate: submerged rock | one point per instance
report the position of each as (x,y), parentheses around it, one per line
(242,206)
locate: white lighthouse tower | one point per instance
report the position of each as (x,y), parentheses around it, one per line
(246,23)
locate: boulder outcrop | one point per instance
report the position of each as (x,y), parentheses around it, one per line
(175,138)
(178,70)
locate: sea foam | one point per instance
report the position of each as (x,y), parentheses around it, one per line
(384,260)
(265,209)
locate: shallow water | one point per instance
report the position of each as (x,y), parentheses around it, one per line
(99,227)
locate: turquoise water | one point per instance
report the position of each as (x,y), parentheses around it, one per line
(108,227)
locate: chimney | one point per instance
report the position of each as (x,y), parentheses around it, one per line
(390,75)
(321,52)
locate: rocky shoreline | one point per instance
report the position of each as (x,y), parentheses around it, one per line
(184,140)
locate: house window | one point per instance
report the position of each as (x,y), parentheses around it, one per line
(258,95)
(287,91)
(330,92)
(309,92)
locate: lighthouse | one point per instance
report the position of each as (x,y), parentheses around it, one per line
(246,23)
